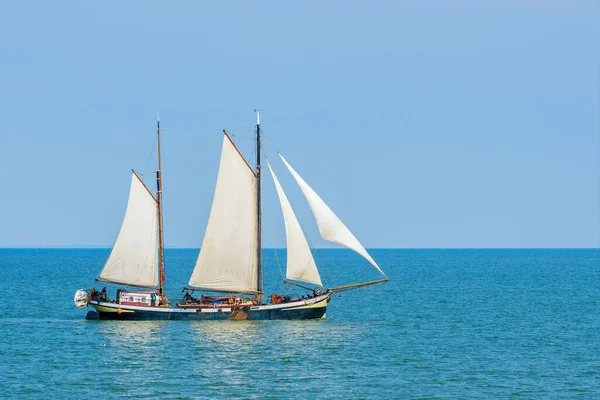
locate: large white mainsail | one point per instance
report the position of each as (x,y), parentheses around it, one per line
(134,257)
(330,226)
(227,260)
(300,262)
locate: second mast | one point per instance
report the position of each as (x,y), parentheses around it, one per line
(258,210)
(161,262)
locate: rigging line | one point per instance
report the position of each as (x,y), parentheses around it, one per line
(278,264)
(146,173)
(241,136)
(328,273)
(291,290)
(274,249)
(151,152)
(235,136)
(269,139)
(252,158)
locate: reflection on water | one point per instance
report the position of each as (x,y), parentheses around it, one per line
(227,333)
(224,349)
(123,333)
(132,349)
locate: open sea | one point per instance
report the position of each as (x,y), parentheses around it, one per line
(450,324)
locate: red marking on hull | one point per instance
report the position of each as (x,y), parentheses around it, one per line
(132,303)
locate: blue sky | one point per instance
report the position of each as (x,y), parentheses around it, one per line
(422,124)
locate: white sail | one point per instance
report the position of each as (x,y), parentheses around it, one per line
(134,257)
(330,226)
(300,262)
(227,260)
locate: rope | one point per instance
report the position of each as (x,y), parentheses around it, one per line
(236,136)
(151,152)
(278,264)
(274,249)
(269,139)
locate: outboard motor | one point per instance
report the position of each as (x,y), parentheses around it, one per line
(81,298)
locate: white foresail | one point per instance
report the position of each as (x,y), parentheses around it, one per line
(330,226)
(227,260)
(134,257)
(300,262)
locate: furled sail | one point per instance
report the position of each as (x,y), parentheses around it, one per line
(300,262)
(330,226)
(227,260)
(134,257)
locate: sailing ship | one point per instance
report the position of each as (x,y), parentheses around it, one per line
(228,271)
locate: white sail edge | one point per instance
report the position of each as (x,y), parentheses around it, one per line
(330,226)
(300,262)
(227,259)
(134,257)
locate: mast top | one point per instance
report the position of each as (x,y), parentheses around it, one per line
(257,116)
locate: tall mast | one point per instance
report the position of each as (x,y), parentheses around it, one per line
(161,262)
(258,211)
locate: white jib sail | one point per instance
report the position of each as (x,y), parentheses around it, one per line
(227,260)
(134,257)
(330,226)
(300,262)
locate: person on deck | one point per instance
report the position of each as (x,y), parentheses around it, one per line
(103,296)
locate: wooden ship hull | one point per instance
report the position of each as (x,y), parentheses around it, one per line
(314,308)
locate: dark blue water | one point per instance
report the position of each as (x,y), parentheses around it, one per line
(449,324)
